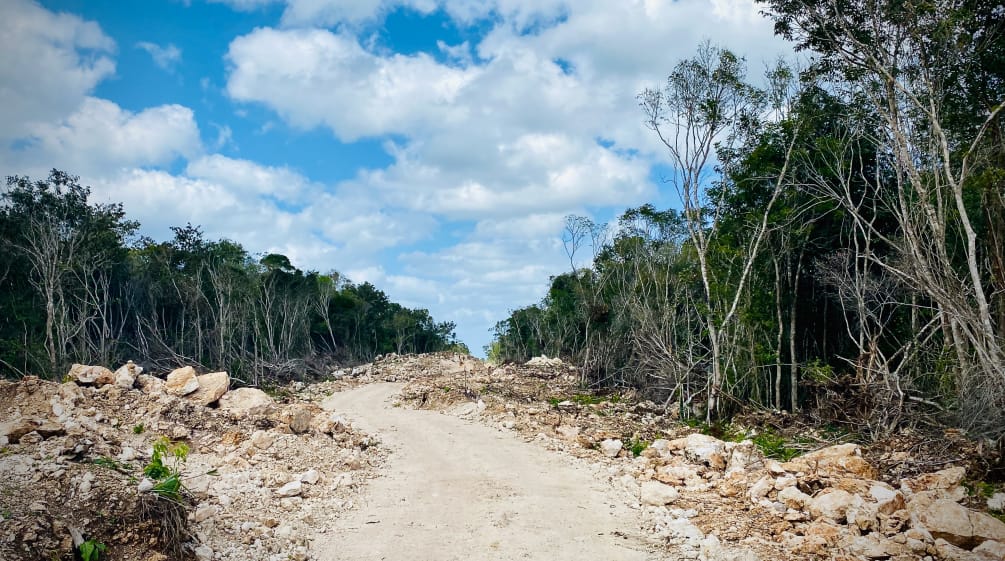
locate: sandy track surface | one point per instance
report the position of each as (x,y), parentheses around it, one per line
(454,490)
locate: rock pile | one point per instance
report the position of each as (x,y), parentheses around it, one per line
(262,477)
(708,499)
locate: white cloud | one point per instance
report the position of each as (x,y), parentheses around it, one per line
(316,77)
(166,57)
(50,62)
(100,136)
(249,178)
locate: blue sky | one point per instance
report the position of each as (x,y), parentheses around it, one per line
(432,147)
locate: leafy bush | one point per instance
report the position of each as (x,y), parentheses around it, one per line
(91,550)
(774,446)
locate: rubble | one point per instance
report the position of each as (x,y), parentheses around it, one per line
(72,459)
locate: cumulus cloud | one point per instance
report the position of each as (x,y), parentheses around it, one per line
(101,136)
(50,62)
(166,57)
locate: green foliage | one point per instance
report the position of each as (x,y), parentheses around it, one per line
(638,446)
(214,302)
(138,428)
(91,550)
(167,476)
(112,464)
(774,446)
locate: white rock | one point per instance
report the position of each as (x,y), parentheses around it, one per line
(145,485)
(794,498)
(291,489)
(262,440)
(205,512)
(611,447)
(658,494)
(182,381)
(310,476)
(204,553)
(997,502)
(760,489)
(212,386)
(126,375)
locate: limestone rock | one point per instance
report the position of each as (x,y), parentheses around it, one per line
(204,553)
(246,402)
(310,476)
(888,500)
(182,381)
(991,549)
(997,502)
(611,447)
(567,432)
(150,384)
(794,498)
(702,448)
(658,494)
(291,489)
(833,461)
(948,520)
(96,375)
(760,489)
(943,480)
(262,440)
(125,376)
(832,504)
(298,417)
(212,386)
(17,429)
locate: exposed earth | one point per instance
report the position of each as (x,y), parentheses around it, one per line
(445,457)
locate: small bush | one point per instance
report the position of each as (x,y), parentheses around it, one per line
(637,446)
(91,550)
(774,446)
(138,429)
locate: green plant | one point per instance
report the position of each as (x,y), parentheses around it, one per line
(167,477)
(113,464)
(774,446)
(138,428)
(637,446)
(91,550)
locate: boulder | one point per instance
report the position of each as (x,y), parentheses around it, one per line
(246,402)
(658,494)
(611,447)
(888,500)
(96,375)
(833,504)
(944,480)
(703,449)
(950,552)
(948,520)
(14,429)
(212,386)
(182,381)
(150,384)
(125,376)
(991,549)
(793,498)
(834,461)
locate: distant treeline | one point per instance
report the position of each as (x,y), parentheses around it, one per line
(840,244)
(77,286)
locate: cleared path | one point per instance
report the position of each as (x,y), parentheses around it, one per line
(457,490)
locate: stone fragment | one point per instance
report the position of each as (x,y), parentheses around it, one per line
(150,384)
(833,461)
(262,440)
(205,512)
(246,402)
(760,489)
(291,489)
(832,504)
(997,502)
(703,449)
(948,520)
(991,549)
(182,381)
(212,386)
(299,419)
(96,375)
(943,480)
(310,476)
(125,376)
(888,500)
(658,494)
(611,447)
(204,553)
(567,432)
(794,498)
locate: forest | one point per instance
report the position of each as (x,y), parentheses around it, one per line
(78,285)
(839,243)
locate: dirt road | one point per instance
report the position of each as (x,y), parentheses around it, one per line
(458,490)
